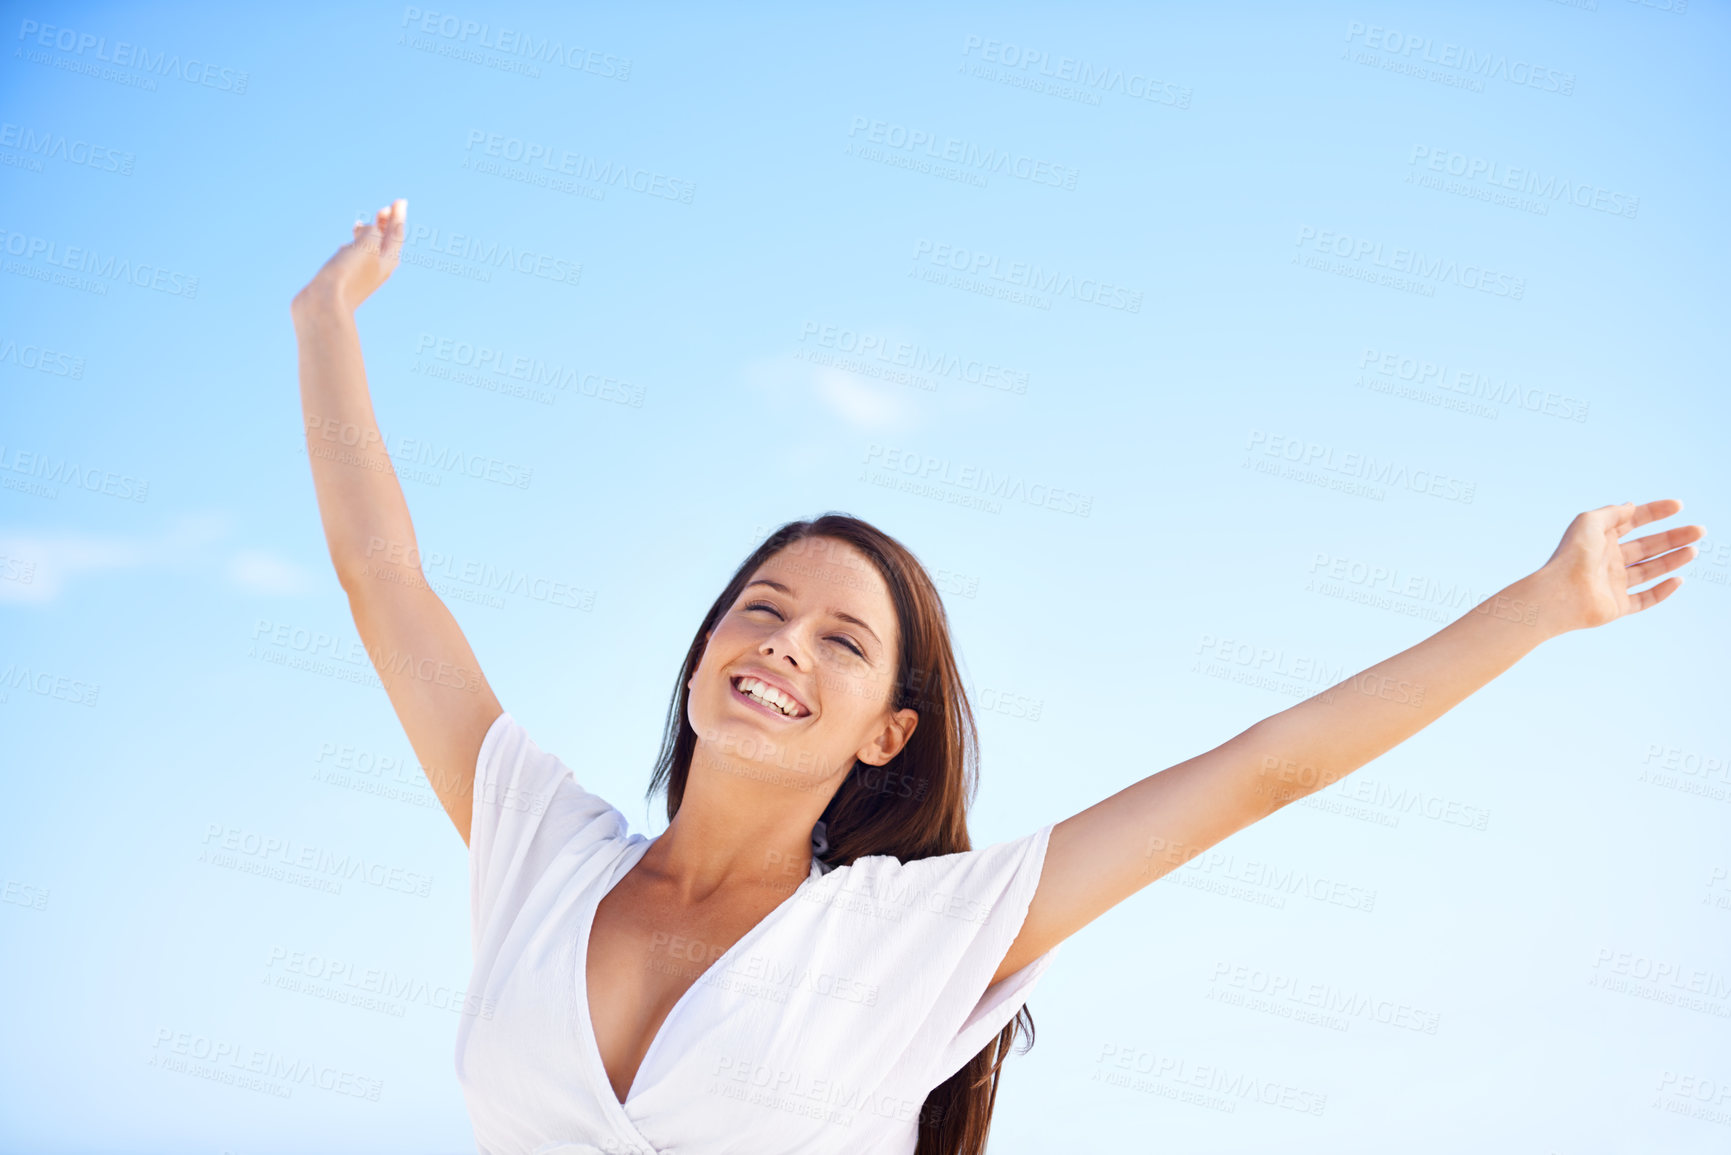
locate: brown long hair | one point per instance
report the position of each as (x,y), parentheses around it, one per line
(939,766)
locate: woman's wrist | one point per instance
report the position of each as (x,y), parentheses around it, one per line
(1537,602)
(318,305)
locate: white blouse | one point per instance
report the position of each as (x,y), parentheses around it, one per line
(820,1031)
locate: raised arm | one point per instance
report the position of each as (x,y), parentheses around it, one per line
(423,660)
(1100,857)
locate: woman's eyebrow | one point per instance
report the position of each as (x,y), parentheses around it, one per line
(774,585)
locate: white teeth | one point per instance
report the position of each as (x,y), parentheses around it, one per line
(768,695)
(770,702)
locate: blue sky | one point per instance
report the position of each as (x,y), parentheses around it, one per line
(1193,351)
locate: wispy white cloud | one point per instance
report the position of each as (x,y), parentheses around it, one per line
(37,567)
(865,404)
(862,403)
(264,572)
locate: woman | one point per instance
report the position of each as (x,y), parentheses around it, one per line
(811,957)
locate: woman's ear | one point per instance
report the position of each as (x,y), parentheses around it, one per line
(889,741)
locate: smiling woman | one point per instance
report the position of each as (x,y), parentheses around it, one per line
(864,747)
(812,957)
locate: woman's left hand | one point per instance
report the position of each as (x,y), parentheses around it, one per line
(1587,579)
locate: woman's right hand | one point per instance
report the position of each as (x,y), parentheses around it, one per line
(360,266)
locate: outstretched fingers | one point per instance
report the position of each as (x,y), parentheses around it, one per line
(1648,570)
(1638,515)
(384,233)
(1655,595)
(1655,544)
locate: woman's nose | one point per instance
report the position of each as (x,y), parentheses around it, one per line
(785,643)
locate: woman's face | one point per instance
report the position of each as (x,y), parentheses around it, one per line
(796,679)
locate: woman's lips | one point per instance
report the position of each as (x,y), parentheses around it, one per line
(759,706)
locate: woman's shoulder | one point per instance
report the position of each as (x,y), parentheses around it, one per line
(531,811)
(963,883)
(514,772)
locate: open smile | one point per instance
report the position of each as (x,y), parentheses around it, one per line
(767,699)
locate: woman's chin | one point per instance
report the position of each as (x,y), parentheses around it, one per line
(749,748)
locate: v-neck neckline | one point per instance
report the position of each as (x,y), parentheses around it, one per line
(621,867)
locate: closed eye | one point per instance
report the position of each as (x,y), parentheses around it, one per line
(841,638)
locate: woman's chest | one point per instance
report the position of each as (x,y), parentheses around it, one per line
(764,1026)
(646,949)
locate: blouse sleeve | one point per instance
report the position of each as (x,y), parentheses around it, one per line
(528,812)
(947,922)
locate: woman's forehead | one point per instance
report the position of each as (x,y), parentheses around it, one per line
(825,550)
(824,561)
(837,574)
